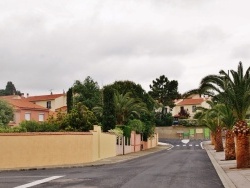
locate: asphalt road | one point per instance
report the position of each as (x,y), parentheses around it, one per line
(186,165)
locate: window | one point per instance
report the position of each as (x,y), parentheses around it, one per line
(193,108)
(27,116)
(49,104)
(41,117)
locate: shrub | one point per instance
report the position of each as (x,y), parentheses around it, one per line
(8,129)
(80,119)
(33,126)
(136,125)
(188,122)
(165,120)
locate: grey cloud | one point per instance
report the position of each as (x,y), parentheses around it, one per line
(241,52)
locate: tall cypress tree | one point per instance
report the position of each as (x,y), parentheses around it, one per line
(9,90)
(69,100)
(109,119)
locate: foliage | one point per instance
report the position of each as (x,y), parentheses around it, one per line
(8,129)
(34,126)
(136,91)
(88,93)
(209,118)
(197,115)
(59,120)
(232,89)
(79,119)
(148,132)
(6,112)
(127,107)
(164,91)
(226,115)
(9,90)
(109,115)
(189,122)
(117,131)
(136,125)
(163,120)
(126,130)
(183,114)
(69,100)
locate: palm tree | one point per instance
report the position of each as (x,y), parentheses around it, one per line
(228,119)
(208,119)
(215,119)
(234,91)
(126,106)
(211,119)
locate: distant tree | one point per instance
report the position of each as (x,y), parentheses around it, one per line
(2,92)
(164,91)
(127,106)
(6,113)
(88,93)
(69,100)
(109,115)
(136,91)
(9,90)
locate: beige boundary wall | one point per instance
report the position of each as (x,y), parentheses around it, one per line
(175,132)
(38,150)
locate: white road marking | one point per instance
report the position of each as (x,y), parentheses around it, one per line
(190,145)
(197,145)
(177,145)
(171,146)
(38,182)
(184,145)
(201,145)
(185,141)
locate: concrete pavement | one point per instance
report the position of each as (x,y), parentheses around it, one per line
(130,156)
(230,176)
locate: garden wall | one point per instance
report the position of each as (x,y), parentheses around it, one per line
(175,132)
(37,150)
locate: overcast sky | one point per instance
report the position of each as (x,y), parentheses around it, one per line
(48,44)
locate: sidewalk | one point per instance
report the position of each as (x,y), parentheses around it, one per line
(230,176)
(130,156)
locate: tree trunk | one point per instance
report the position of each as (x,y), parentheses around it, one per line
(242,151)
(213,138)
(230,146)
(218,140)
(242,132)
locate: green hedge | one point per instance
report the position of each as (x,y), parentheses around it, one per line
(8,129)
(188,122)
(33,126)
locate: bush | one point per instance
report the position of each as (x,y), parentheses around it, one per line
(165,120)
(136,125)
(188,122)
(8,129)
(33,126)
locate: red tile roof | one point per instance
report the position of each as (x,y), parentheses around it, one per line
(44,97)
(23,103)
(190,102)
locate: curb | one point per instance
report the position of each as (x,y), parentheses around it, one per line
(221,173)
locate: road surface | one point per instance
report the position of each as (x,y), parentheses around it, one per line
(186,165)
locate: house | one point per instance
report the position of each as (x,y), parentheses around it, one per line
(189,105)
(53,102)
(25,110)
